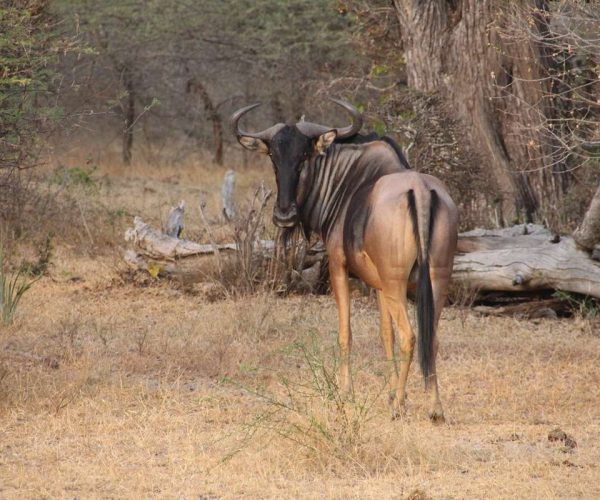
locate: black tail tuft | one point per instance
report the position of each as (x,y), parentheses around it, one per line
(424,295)
(425,319)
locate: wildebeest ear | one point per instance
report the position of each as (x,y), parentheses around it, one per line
(253,144)
(324,141)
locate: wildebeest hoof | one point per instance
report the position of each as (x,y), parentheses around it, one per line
(347,394)
(398,410)
(391,398)
(437,417)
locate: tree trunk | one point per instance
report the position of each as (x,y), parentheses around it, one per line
(129,115)
(587,235)
(455,48)
(277,108)
(199,89)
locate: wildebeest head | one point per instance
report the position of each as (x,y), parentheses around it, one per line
(289,146)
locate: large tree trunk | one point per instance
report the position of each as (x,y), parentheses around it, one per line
(455,48)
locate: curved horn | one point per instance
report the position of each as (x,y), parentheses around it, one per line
(314,129)
(310,129)
(357,120)
(265,135)
(235,118)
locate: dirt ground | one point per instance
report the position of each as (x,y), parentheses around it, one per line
(112,388)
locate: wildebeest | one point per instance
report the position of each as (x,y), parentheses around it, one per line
(378,220)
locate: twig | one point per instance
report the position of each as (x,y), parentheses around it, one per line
(87,229)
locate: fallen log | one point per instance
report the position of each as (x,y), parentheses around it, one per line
(524,258)
(148,242)
(162,255)
(517,259)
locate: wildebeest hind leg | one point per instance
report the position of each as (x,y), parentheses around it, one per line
(396,303)
(439,283)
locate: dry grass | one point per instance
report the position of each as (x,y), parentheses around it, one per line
(150,189)
(108,389)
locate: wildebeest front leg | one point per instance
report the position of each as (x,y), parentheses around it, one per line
(387,338)
(341,291)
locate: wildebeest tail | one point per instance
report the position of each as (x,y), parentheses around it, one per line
(422,210)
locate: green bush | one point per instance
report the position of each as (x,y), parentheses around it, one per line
(12,289)
(76,176)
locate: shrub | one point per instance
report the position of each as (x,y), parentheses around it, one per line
(12,289)
(308,409)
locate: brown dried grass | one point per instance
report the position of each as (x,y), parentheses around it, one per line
(108,389)
(112,390)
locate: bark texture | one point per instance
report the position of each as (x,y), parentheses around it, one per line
(587,235)
(455,48)
(511,261)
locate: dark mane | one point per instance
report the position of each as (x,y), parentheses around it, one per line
(396,147)
(372,137)
(359,139)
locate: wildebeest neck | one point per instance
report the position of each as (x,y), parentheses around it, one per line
(333,179)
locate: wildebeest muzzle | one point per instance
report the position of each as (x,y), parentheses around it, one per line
(285,218)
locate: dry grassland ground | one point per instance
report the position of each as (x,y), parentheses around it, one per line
(112,389)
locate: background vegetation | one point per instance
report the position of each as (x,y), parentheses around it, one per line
(509,119)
